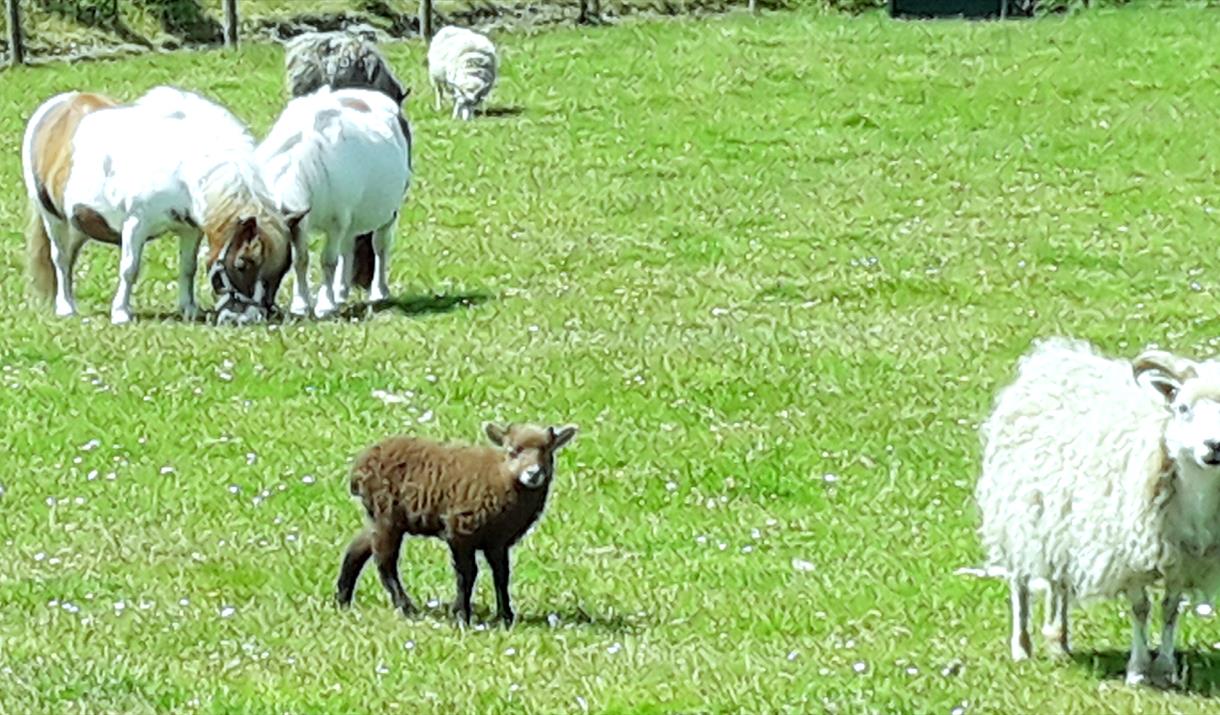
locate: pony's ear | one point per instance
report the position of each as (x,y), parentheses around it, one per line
(294,218)
(247,230)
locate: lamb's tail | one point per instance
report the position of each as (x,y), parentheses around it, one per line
(38,251)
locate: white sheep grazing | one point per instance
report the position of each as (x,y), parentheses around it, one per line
(464,62)
(1100,477)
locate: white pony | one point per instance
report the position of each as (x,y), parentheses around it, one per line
(171,161)
(343,159)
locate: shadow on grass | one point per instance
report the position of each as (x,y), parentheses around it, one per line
(502,112)
(430,304)
(1199,671)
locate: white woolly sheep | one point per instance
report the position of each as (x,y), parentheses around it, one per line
(464,62)
(1099,477)
(473,498)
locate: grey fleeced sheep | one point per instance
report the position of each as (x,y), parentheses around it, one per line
(342,59)
(473,498)
(1100,478)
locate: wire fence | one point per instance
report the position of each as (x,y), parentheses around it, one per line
(37,30)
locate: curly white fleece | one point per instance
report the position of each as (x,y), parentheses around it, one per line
(1088,481)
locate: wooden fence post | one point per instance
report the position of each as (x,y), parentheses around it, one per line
(16,46)
(425,19)
(230,23)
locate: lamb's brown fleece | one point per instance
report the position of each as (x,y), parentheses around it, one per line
(471,497)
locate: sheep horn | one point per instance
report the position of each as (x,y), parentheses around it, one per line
(1178,368)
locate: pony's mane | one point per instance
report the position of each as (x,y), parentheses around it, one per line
(233,190)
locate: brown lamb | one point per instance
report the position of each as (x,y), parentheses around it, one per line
(474,498)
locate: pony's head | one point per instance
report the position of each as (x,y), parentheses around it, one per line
(247,260)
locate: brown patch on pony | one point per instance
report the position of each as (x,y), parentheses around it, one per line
(362,262)
(52,146)
(91,223)
(357,104)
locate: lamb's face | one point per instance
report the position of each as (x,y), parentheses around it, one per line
(530,450)
(1193,432)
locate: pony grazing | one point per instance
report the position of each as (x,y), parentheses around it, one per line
(123,174)
(342,160)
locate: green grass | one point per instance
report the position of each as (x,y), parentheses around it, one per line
(769,251)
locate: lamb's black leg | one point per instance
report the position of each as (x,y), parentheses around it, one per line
(358,552)
(497,558)
(385,551)
(466,569)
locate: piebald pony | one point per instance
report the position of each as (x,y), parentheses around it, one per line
(342,159)
(122,174)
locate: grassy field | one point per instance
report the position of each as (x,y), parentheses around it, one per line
(775,270)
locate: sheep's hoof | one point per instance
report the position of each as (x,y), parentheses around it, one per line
(1137,678)
(507,619)
(1165,673)
(343,601)
(408,610)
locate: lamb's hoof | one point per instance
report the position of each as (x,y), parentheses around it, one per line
(342,601)
(119,316)
(299,307)
(321,311)
(64,311)
(1137,678)
(507,619)
(409,610)
(190,313)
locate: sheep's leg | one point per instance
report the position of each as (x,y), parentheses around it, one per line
(1055,627)
(466,569)
(1021,646)
(437,86)
(386,546)
(497,558)
(357,554)
(1165,667)
(1138,664)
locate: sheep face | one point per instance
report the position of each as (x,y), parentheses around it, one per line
(1192,393)
(1194,431)
(530,450)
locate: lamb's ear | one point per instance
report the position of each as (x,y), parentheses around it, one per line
(1163,371)
(562,436)
(495,433)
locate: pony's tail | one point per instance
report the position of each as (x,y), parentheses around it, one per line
(362,263)
(38,251)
